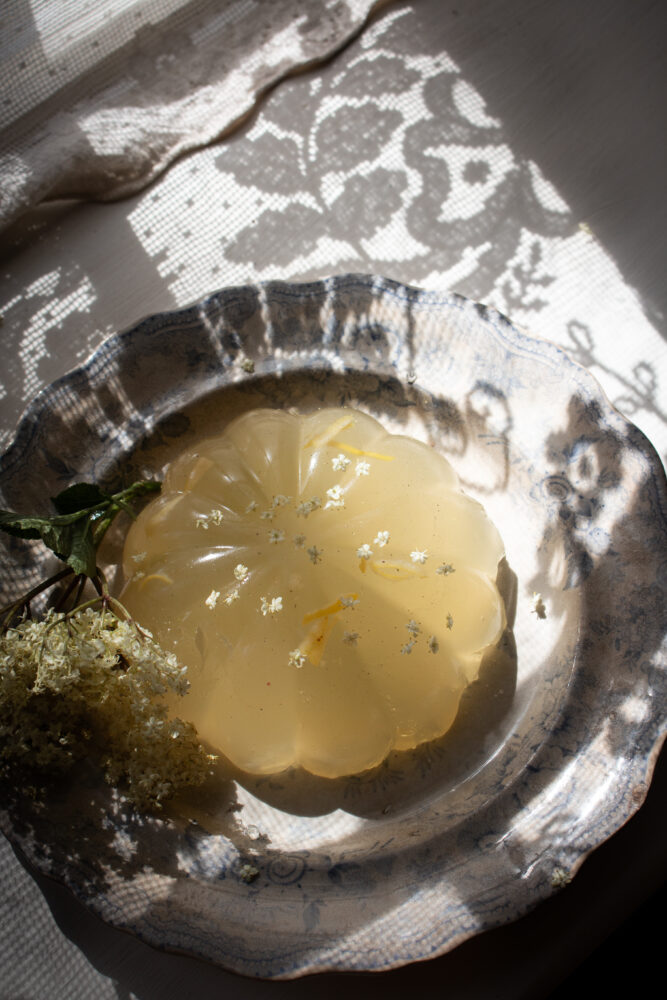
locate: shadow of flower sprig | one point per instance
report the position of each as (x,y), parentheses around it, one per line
(642,390)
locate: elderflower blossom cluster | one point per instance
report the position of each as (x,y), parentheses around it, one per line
(90,684)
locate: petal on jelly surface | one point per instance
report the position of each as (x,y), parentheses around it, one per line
(327,584)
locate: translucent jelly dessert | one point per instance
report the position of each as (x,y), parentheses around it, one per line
(330,588)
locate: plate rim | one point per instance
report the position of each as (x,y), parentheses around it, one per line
(119,341)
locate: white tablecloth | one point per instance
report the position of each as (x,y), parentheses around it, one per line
(511,152)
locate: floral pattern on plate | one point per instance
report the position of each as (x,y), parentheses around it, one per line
(553,747)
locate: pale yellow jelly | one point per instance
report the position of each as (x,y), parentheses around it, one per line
(329,586)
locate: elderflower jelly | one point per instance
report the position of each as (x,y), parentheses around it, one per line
(348,627)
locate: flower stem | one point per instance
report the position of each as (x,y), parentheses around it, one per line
(64,597)
(8,613)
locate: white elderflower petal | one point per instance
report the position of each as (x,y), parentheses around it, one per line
(315,554)
(217,516)
(364,551)
(408,647)
(444,569)
(280,500)
(336,499)
(412,627)
(419,555)
(201,521)
(340,462)
(139,557)
(349,601)
(251,506)
(233,596)
(297,658)
(307,507)
(241,572)
(248,873)
(381,539)
(299,541)
(276,535)
(450,622)
(351,638)
(271,607)
(433,644)
(212,599)
(248,365)
(362,468)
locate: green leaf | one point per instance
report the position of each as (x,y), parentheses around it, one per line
(82,554)
(79,497)
(22,525)
(72,543)
(84,514)
(58,538)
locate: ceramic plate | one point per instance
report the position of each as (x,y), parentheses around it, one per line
(553,746)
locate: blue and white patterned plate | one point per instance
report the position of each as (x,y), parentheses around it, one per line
(553,747)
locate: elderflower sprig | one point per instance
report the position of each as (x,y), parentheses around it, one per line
(88,684)
(87,680)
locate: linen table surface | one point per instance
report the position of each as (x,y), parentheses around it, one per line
(153,151)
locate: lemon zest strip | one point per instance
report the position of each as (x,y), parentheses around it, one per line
(155,576)
(391,570)
(341,424)
(360,451)
(331,609)
(316,639)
